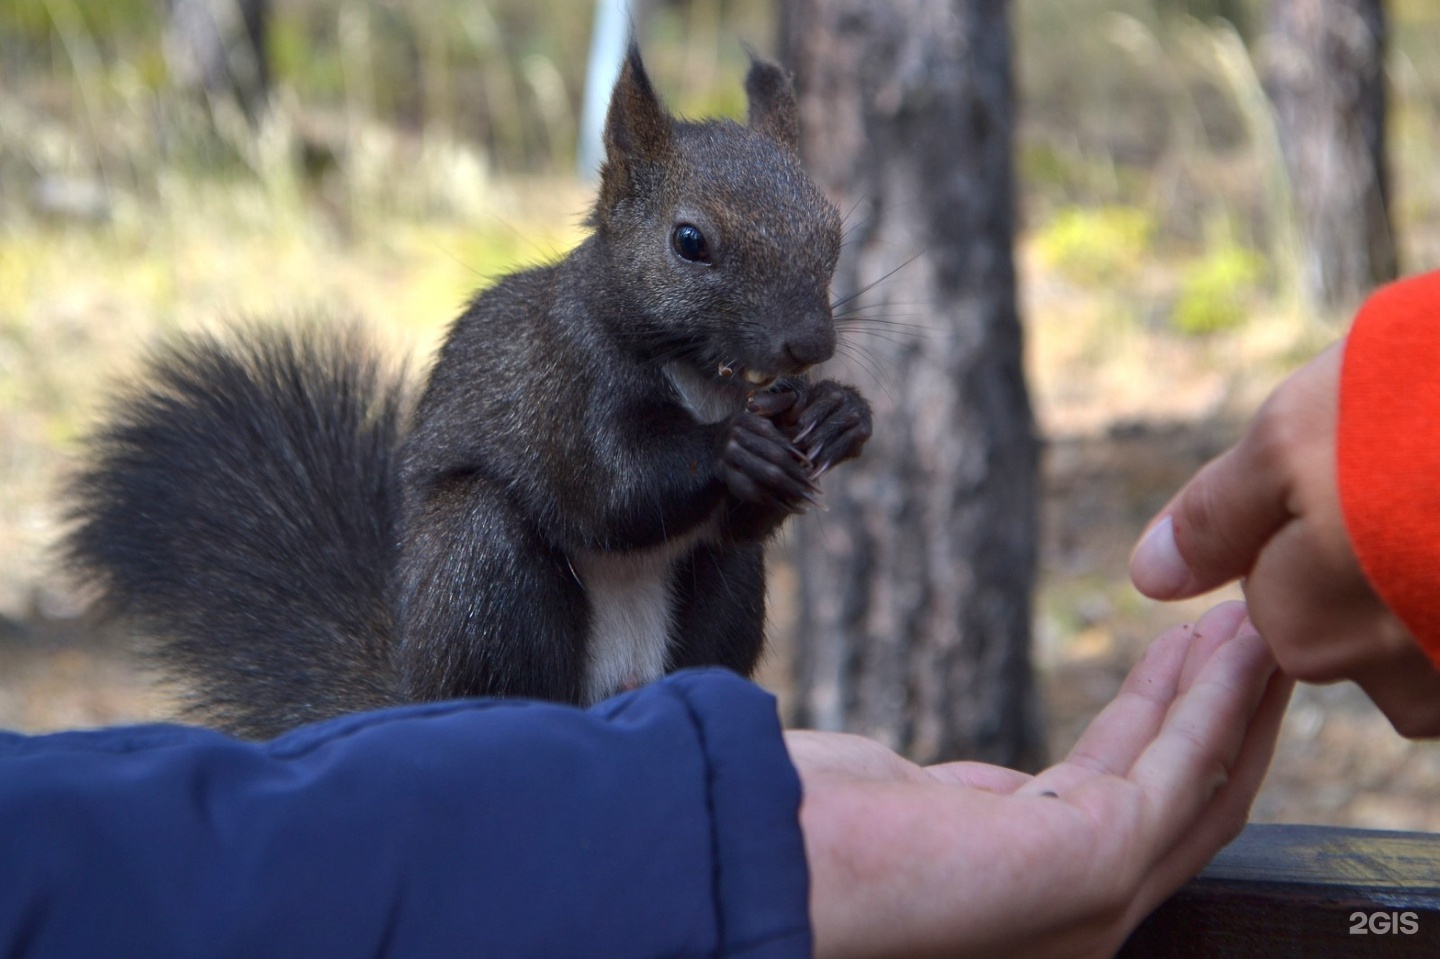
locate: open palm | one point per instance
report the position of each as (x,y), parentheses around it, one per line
(974,859)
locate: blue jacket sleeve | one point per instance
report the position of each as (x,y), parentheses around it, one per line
(660,823)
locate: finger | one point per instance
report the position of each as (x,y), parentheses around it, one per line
(1129,724)
(1196,751)
(772,402)
(1326,623)
(1118,737)
(769,461)
(1151,691)
(770,468)
(841,439)
(1220,624)
(1406,687)
(746,489)
(1222,820)
(823,404)
(761,437)
(1214,528)
(1120,732)
(1314,606)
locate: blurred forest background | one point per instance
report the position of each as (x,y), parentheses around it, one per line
(411,151)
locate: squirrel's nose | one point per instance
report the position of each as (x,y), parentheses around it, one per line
(812,341)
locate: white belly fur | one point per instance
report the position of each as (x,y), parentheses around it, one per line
(631,607)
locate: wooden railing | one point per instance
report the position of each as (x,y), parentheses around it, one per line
(1304,891)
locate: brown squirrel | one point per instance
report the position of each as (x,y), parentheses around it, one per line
(580,500)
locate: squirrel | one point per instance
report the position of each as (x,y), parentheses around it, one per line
(578,502)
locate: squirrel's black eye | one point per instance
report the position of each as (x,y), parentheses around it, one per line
(689,244)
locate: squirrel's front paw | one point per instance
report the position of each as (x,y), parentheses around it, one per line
(828,425)
(760,465)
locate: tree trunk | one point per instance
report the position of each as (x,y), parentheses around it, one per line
(915,586)
(1325,75)
(218,48)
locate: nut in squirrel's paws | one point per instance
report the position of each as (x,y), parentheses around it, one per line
(756,378)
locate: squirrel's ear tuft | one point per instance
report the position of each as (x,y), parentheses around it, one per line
(637,128)
(773,108)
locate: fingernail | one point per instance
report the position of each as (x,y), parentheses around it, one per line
(1156,567)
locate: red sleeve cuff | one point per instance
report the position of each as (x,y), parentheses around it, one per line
(1389,450)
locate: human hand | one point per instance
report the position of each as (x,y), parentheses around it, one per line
(978,860)
(1268,510)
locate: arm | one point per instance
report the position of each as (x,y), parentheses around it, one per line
(660,823)
(1335,479)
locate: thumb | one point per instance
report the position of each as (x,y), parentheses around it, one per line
(1214,528)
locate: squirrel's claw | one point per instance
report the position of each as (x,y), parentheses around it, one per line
(833,423)
(760,465)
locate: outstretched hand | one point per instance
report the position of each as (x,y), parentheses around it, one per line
(973,859)
(1268,510)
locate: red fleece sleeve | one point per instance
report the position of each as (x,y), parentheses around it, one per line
(1389,450)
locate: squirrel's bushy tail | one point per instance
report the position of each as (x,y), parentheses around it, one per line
(240,507)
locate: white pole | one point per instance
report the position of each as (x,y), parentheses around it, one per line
(607,52)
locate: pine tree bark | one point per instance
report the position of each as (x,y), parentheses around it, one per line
(1325,76)
(915,586)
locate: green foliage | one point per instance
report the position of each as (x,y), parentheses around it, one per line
(1216,291)
(1098,245)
